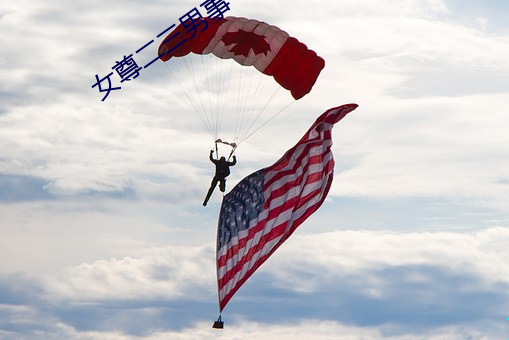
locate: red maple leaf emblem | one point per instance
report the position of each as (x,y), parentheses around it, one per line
(245,42)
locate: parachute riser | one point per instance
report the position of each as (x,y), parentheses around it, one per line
(231,153)
(233,145)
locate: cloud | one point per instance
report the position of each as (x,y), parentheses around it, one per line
(315,329)
(101,237)
(57,234)
(477,253)
(15,188)
(448,159)
(168,273)
(385,284)
(395,59)
(412,281)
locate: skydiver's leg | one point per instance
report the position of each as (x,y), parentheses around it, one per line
(211,190)
(222,184)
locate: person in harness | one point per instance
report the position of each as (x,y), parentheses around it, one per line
(222,171)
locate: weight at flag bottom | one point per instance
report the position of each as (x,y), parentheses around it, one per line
(265,208)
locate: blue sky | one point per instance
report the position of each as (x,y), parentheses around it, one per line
(102,232)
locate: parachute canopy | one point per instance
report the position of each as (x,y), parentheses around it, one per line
(250,43)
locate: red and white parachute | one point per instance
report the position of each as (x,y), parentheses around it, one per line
(215,87)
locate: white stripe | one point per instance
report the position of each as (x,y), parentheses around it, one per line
(324,144)
(288,215)
(315,168)
(266,248)
(242,252)
(234,240)
(247,266)
(279,219)
(269,176)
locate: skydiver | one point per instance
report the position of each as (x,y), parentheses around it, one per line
(222,171)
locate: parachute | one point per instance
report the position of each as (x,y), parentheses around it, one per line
(207,65)
(201,63)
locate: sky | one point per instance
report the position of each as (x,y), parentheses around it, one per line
(102,231)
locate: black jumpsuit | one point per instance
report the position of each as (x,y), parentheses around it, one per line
(222,171)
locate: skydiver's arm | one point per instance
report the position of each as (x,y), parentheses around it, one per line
(210,156)
(234,161)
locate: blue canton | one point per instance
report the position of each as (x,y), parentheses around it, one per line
(239,207)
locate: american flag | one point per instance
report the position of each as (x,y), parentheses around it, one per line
(266,207)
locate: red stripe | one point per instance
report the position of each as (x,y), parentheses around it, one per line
(303,200)
(297,162)
(297,182)
(241,281)
(226,298)
(242,242)
(260,226)
(285,159)
(247,257)
(317,205)
(278,210)
(273,213)
(275,232)
(324,134)
(294,203)
(312,159)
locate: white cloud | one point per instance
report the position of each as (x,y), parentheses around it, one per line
(339,253)
(444,147)
(307,263)
(44,237)
(437,274)
(316,329)
(164,273)
(308,329)
(418,147)
(124,178)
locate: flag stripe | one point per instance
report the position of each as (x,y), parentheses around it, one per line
(314,166)
(274,214)
(241,243)
(274,232)
(270,234)
(293,161)
(228,291)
